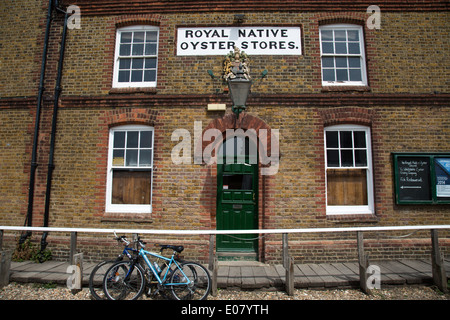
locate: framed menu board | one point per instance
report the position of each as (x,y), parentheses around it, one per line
(422,178)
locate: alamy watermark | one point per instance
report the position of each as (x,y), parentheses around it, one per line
(374,280)
(75,278)
(374,21)
(260,143)
(74,20)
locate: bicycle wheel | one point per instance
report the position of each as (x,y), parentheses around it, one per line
(124,281)
(96,279)
(191,281)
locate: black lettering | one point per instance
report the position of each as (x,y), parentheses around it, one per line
(254,44)
(198,33)
(273,45)
(274,32)
(194,45)
(260,31)
(189,34)
(244,45)
(282,45)
(213,44)
(223,34)
(231,45)
(222,45)
(284,33)
(241,33)
(204,45)
(263,45)
(291,45)
(184,46)
(252,33)
(207,32)
(215,34)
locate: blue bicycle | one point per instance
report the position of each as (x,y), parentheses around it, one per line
(127,280)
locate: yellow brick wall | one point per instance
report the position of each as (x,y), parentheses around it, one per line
(21,39)
(407,56)
(15,125)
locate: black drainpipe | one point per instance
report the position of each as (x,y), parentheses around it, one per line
(34,165)
(51,165)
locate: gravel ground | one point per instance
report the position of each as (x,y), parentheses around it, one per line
(18,291)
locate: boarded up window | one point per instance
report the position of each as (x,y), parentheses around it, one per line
(347,187)
(348,169)
(130,169)
(131,187)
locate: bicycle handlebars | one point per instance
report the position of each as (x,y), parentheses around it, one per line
(142,243)
(125,240)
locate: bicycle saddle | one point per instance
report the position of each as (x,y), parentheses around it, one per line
(175,248)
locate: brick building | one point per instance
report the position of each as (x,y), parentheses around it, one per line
(359,98)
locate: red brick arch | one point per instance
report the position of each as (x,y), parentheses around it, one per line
(133,20)
(118,117)
(245,121)
(353,115)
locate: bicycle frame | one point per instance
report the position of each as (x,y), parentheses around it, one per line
(127,248)
(143,253)
(126,251)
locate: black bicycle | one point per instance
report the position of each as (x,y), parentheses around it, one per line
(99,271)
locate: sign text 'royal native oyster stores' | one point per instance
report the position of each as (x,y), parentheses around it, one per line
(252,40)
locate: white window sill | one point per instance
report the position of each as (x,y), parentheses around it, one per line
(353,210)
(126,208)
(124,85)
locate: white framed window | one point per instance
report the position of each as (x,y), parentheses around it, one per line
(343,57)
(136,57)
(349,175)
(130,169)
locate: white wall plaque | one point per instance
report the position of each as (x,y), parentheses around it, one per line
(252,40)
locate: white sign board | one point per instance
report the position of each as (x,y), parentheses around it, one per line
(251,40)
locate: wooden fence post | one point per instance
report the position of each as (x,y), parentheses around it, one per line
(285,250)
(214,277)
(5,265)
(288,264)
(73,247)
(213,264)
(134,239)
(363,262)
(290,277)
(437,263)
(78,262)
(212,240)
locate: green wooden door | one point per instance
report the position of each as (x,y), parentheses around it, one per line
(237,199)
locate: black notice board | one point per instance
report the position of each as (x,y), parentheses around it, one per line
(422,178)
(412,177)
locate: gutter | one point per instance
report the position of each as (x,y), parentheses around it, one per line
(52,5)
(34,164)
